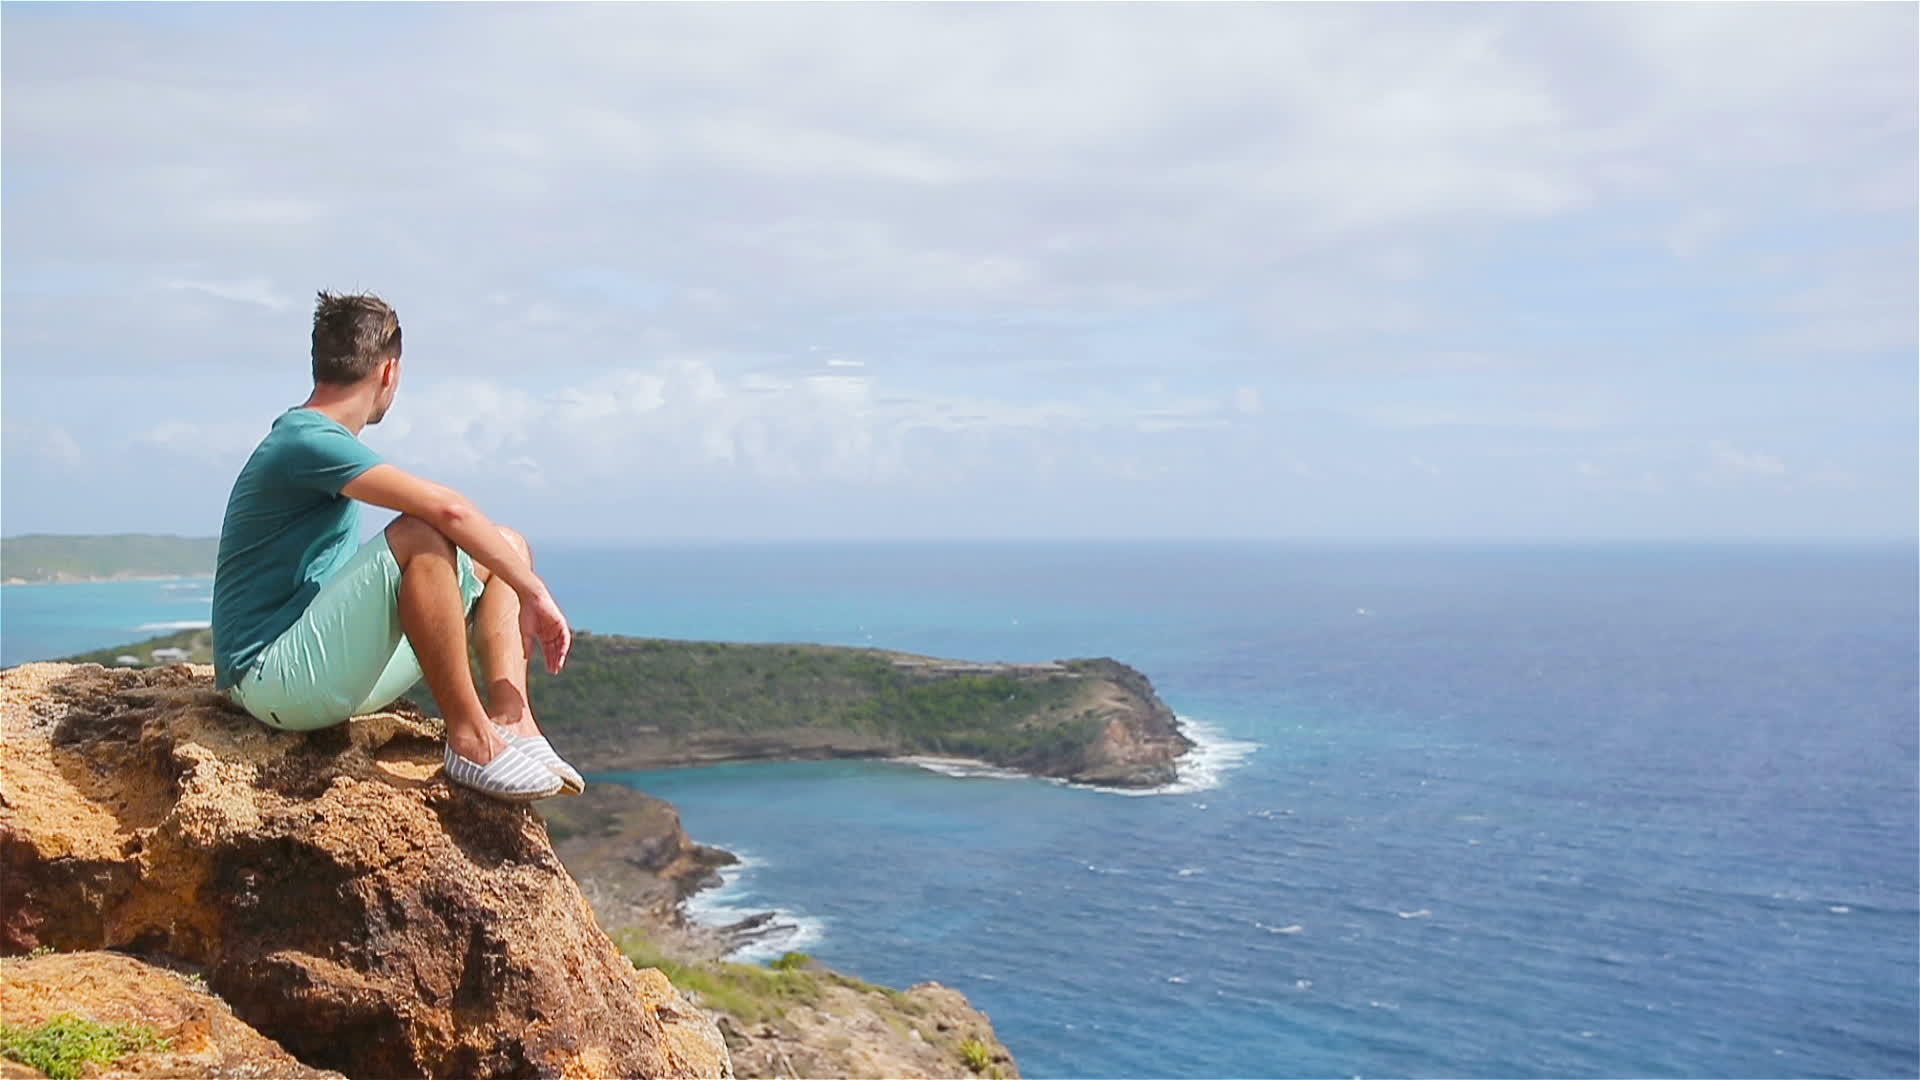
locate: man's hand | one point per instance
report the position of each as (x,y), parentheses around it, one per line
(541,620)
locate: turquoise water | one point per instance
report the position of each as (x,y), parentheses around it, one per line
(39,622)
(1515,811)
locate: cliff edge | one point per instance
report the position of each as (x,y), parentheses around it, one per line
(332,888)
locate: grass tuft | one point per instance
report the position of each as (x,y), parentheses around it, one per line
(976,1055)
(64,1045)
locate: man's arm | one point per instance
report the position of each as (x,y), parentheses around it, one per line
(457,519)
(453,514)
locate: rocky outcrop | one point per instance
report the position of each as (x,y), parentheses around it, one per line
(1138,740)
(631,857)
(854,1031)
(202,1037)
(335,890)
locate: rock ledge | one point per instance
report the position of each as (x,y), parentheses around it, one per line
(338,893)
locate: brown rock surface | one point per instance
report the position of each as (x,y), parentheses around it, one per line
(204,1038)
(338,892)
(1139,741)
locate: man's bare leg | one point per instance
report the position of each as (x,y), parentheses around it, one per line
(435,620)
(503,656)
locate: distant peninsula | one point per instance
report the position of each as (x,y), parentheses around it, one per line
(42,558)
(640,703)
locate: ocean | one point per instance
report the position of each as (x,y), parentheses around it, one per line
(1461,810)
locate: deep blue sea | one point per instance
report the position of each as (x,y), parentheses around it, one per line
(1621,810)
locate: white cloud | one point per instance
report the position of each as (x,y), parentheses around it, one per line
(612,230)
(220,442)
(1419,415)
(1018,156)
(256,291)
(1744,461)
(49,441)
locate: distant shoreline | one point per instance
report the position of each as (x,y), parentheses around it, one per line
(102,580)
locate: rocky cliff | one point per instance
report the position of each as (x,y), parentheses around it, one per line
(332,888)
(636,864)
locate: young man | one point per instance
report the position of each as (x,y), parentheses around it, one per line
(307,631)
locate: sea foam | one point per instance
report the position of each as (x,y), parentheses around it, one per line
(962,768)
(726,904)
(178,624)
(1202,768)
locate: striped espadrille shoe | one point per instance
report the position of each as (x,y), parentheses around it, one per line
(538,748)
(513,775)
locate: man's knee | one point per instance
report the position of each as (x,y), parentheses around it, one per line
(409,536)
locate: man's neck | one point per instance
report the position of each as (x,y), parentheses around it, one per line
(349,410)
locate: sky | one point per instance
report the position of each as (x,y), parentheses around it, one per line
(761,272)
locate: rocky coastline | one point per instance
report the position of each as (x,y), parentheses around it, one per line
(326,904)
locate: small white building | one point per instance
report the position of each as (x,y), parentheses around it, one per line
(125,660)
(170,656)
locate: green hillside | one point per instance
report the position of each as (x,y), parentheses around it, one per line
(42,558)
(682,688)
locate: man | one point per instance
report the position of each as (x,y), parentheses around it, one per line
(308,632)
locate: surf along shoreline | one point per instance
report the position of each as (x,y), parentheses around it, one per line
(709,917)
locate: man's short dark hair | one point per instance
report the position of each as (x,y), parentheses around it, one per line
(352,335)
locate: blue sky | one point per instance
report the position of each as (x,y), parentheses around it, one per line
(715,271)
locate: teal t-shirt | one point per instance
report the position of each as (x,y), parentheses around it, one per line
(287,530)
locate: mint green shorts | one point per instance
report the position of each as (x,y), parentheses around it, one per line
(347,654)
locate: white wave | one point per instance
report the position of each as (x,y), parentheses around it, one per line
(1290,928)
(1176,978)
(726,904)
(1199,769)
(1420,914)
(1189,871)
(181,624)
(1202,768)
(1840,909)
(963,768)
(188,585)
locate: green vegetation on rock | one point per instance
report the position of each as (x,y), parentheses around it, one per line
(41,557)
(63,1046)
(750,994)
(976,1054)
(790,961)
(614,687)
